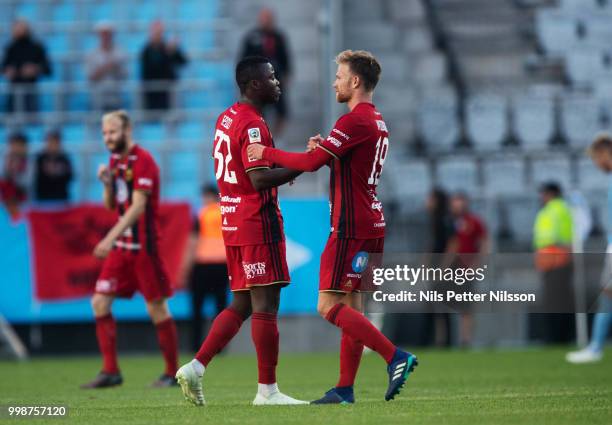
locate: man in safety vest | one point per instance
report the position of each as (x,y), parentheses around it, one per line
(553,232)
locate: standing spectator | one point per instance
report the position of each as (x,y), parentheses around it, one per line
(553,234)
(25,60)
(207,255)
(53,171)
(441,233)
(106,70)
(14,181)
(267,41)
(159,63)
(470,239)
(601,153)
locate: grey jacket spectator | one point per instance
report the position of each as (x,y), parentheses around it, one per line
(106,71)
(24,61)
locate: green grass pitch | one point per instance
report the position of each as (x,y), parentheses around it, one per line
(456,387)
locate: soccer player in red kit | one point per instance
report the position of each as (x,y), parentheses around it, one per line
(355,150)
(252,228)
(131,250)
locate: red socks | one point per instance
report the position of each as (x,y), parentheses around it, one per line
(264,332)
(106,333)
(355,325)
(168,342)
(350,357)
(225,326)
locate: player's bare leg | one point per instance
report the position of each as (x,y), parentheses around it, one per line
(106,333)
(264,331)
(225,326)
(358,327)
(168,340)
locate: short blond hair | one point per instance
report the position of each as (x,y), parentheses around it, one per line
(601,143)
(120,115)
(362,63)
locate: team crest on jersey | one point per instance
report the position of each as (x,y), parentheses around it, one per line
(226,122)
(121,189)
(252,270)
(254,135)
(129,175)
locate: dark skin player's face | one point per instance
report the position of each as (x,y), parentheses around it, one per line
(267,88)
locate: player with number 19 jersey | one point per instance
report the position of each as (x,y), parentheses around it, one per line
(252,224)
(358,143)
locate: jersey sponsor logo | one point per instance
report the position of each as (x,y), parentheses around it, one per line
(354,275)
(337,143)
(143,181)
(229,228)
(252,270)
(360,261)
(377,206)
(226,122)
(228,210)
(382,224)
(381,125)
(344,135)
(129,174)
(121,194)
(235,200)
(254,135)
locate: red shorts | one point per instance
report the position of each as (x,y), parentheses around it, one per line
(125,272)
(257,265)
(344,262)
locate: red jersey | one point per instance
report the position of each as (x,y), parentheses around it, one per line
(470,233)
(250,217)
(359,144)
(137,171)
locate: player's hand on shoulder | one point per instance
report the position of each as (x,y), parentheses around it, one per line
(103,248)
(255,151)
(313,142)
(104,174)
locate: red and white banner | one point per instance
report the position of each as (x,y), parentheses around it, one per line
(63,241)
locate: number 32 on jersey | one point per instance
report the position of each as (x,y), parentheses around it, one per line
(223,160)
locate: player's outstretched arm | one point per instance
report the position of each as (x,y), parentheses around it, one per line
(263,179)
(139,203)
(307,161)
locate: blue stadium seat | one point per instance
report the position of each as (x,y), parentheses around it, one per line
(94,191)
(151,133)
(57,43)
(35,133)
(504,176)
(521,214)
(200,99)
(147,11)
(438,123)
(46,101)
(78,101)
(583,67)
(27,10)
(580,119)
(95,160)
(458,173)
(64,12)
(74,134)
(184,166)
(487,124)
(553,168)
(187,190)
(533,122)
(192,132)
(102,11)
(411,182)
(590,178)
(556,33)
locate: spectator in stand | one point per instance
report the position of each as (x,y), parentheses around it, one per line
(468,246)
(14,181)
(159,64)
(53,171)
(441,232)
(24,62)
(267,41)
(106,70)
(207,259)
